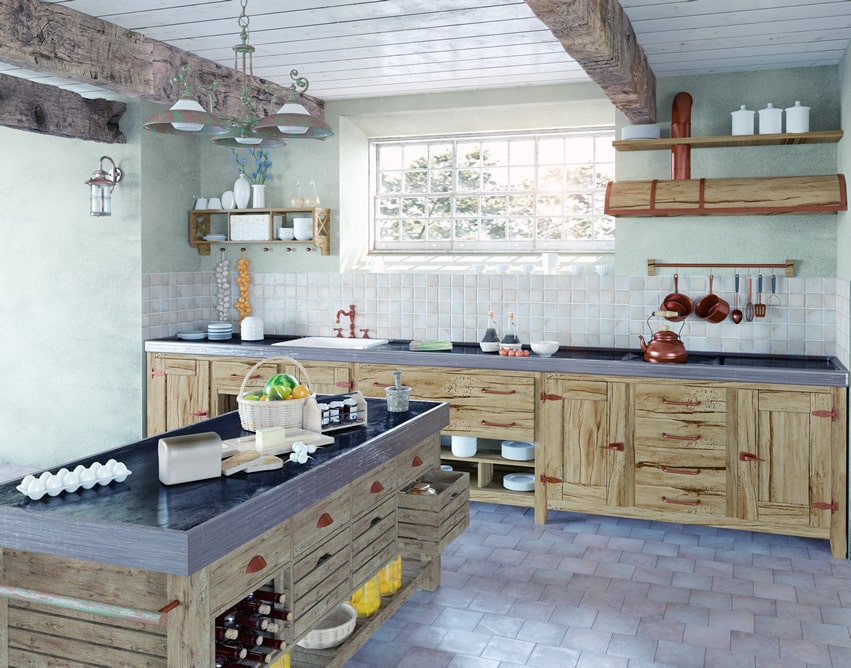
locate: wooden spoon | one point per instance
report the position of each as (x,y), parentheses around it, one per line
(736,315)
(749,306)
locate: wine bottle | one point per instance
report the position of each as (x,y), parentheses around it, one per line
(259,657)
(228,650)
(227,633)
(491,335)
(510,336)
(249,638)
(267,596)
(222,662)
(272,643)
(280,613)
(248,620)
(256,607)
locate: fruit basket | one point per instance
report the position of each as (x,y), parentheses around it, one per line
(254,415)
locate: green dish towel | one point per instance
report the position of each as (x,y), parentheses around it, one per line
(430,346)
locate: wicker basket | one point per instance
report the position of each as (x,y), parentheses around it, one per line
(332,630)
(254,415)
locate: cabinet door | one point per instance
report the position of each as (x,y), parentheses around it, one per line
(784,460)
(178,392)
(585,448)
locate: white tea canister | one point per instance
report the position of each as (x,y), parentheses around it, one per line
(797,118)
(770,120)
(743,121)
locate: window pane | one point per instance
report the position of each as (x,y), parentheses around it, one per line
(494,153)
(495,178)
(390,157)
(441,156)
(413,229)
(494,228)
(467,230)
(439,206)
(415,155)
(466,206)
(388,230)
(522,228)
(522,178)
(441,181)
(391,182)
(416,182)
(388,207)
(469,154)
(522,152)
(439,230)
(469,179)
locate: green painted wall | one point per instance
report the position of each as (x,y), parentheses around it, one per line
(843,242)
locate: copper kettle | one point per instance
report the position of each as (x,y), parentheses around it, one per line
(665,347)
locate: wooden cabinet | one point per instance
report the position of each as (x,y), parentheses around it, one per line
(178,391)
(791,461)
(584,446)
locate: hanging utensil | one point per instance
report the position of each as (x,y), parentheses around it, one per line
(711,307)
(773,300)
(759,307)
(676,301)
(749,306)
(736,315)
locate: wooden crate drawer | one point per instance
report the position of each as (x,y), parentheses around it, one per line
(373,541)
(676,500)
(315,524)
(681,468)
(249,566)
(684,401)
(230,374)
(374,488)
(681,433)
(417,460)
(426,524)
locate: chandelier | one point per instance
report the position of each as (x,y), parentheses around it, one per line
(246,128)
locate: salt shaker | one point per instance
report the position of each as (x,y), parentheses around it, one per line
(770,120)
(743,121)
(797,118)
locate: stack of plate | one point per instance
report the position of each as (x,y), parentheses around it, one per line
(219,331)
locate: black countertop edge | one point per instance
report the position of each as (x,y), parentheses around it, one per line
(824,371)
(91,525)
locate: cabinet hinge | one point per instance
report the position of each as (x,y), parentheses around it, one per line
(824,505)
(549,478)
(551,397)
(832,414)
(157,372)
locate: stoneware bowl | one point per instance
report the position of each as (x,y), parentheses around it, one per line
(545,348)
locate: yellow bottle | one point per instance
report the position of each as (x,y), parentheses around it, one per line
(391,577)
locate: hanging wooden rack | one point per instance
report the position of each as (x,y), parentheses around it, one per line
(788,266)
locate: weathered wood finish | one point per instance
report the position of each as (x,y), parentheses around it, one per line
(598,35)
(35,107)
(730,141)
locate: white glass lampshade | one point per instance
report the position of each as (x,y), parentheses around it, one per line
(292,107)
(184,104)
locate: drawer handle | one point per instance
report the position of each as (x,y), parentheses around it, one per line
(749,457)
(376,488)
(325,557)
(255,564)
(665,469)
(236,375)
(669,402)
(487,423)
(485,390)
(325,520)
(680,502)
(613,446)
(416,461)
(674,437)
(376,384)
(375,520)
(344,383)
(201,413)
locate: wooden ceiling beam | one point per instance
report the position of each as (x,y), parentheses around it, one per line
(597,34)
(34,107)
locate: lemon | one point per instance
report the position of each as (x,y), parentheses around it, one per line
(252,396)
(300,392)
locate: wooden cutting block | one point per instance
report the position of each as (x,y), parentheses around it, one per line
(267,463)
(235,445)
(241,461)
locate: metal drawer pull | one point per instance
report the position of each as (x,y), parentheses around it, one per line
(376,384)
(485,390)
(665,469)
(669,402)
(498,424)
(201,413)
(678,502)
(325,557)
(240,376)
(674,437)
(325,520)
(613,446)
(255,564)
(376,488)
(416,461)
(374,521)
(749,457)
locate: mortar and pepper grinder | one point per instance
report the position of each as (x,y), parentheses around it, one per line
(397,395)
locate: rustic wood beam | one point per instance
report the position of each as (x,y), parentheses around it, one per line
(598,35)
(62,42)
(35,107)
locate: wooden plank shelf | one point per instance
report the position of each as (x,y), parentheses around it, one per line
(730,141)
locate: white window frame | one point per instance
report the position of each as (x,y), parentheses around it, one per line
(491,247)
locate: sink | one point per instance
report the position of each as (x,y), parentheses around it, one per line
(333,342)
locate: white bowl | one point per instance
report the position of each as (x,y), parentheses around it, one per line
(332,630)
(519,451)
(641,132)
(545,348)
(519,482)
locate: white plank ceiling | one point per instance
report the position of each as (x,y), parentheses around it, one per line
(364,48)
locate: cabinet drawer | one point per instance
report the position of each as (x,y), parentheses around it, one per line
(249,566)
(428,523)
(685,401)
(374,488)
(682,468)
(373,541)
(325,377)
(681,433)
(313,525)
(675,500)
(416,461)
(230,374)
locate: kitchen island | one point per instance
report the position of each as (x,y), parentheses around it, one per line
(170,559)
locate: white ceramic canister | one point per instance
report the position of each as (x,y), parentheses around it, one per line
(464,446)
(770,120)
(797,118)
(743,121)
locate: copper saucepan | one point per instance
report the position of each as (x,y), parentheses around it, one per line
(711,307)
(677,302)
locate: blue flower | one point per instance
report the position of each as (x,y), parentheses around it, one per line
(261,161)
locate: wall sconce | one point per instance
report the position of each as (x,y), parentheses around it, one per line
(102,183)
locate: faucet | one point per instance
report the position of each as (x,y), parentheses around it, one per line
(350,314)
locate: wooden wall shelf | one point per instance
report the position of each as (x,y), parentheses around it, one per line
(730,141)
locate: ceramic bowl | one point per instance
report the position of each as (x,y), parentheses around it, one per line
(640,132)
(545,348)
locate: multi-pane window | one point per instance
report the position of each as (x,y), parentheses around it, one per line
(493,193)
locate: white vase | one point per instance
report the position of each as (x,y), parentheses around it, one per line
(258,196)
(241,192)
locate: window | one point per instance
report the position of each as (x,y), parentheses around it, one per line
(511,193)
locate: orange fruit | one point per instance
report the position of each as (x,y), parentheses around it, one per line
(300,392)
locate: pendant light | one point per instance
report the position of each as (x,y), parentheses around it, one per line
(187,116)
(292,120)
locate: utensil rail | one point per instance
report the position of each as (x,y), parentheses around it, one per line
(788,266)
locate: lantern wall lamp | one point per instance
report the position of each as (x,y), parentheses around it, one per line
(101,184)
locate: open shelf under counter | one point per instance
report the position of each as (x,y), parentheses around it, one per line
(486,471)
(730,141)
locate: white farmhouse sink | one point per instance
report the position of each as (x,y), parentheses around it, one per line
(332,342)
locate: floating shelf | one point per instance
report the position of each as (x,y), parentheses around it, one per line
(730,141)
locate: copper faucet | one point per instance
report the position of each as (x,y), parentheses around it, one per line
(350,314)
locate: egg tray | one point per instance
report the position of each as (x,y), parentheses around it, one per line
(85,477)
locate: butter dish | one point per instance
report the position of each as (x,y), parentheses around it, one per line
(191,457)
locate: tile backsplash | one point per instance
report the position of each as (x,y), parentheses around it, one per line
(811,318)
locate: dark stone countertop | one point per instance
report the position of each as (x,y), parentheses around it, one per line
(181,528)
(825,371)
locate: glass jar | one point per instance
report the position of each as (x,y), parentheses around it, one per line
(391,577)
(367,600)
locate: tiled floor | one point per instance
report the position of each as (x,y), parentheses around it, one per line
(594,592)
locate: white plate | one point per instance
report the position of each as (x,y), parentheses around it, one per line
(216,237)
(519,482)
(191,335)
(520,451)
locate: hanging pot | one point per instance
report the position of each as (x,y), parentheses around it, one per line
(677,302)
(711,307)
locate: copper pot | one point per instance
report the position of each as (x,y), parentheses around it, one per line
(666,347)
(711,307)
(677,302)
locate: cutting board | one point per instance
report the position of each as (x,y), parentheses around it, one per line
(234,445)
